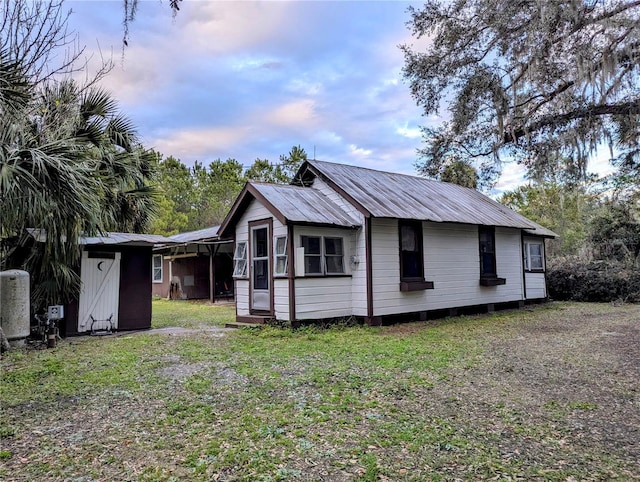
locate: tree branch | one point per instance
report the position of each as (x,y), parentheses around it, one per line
(625,108)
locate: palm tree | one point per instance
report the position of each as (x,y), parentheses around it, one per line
(70,165)
(44,183)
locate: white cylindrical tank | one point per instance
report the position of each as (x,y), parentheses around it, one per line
(14,305)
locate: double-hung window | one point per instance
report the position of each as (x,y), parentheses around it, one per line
(333,256)
(157,268)
(323,255)
(240,260)
(412,257)
(488,271)
(533,256)
(281,255)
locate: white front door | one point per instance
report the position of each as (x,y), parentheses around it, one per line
(99,295)
(260,269)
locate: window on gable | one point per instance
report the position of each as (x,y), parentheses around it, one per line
(157,268)
(281,255)
(240,260)
(323,255)
(488,272)
(533,256)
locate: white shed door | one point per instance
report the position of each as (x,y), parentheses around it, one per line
(99,295)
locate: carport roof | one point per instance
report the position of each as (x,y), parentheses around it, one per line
(109,238)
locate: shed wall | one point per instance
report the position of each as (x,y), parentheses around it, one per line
(134,311)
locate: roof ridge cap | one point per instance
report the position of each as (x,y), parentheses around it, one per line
(413,176)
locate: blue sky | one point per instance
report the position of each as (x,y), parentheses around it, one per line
(249,80)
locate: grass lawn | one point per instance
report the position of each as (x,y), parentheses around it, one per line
(190,314)
(546,393)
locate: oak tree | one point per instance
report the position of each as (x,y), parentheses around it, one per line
(525,79)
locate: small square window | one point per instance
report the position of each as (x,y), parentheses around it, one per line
(533,256)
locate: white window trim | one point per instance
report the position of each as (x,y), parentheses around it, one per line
(323,256)
(240,260)
(154,268)
(281,255)
(528,256)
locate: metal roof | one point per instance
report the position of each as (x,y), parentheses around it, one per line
(304,205)
(199,235)
(131,239)
(389,195)
(541,231)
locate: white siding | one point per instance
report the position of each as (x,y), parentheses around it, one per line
(325,296)
(358,249)
(242,297)
(451,262)
(254,212)
(281,298)
(346,206)
(359,273)
(536,285)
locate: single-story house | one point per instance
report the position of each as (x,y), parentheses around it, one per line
(344,241)
(196,265)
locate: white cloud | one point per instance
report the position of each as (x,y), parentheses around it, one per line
(513,175)
(226,27)
(292,114)
(359,151)
(409,132)
(192,144)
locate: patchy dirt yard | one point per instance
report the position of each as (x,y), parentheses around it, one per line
(550,392)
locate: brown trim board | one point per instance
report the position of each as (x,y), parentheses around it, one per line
(524,274)
(291,263)
(251,224)
(247,194)
(369,257)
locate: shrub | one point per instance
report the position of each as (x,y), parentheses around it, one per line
(593,281)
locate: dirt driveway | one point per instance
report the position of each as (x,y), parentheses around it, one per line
(575,370)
